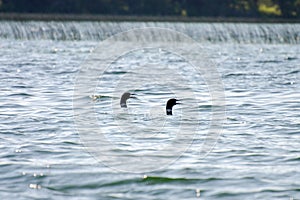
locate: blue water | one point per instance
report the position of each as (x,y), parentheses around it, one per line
(44,155)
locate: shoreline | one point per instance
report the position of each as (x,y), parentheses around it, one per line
(124,18)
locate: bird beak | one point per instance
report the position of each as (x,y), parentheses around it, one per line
(177,102)
(132,96)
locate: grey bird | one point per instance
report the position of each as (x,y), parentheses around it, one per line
(124,98)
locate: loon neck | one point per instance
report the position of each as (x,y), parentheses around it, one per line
(169,111)
(123,105)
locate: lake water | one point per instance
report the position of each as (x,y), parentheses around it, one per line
(48,152)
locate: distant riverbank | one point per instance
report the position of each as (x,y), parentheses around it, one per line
(71,17)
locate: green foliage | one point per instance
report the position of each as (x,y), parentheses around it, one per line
(268,7)
(204,8)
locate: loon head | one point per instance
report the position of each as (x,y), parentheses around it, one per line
(170,104)
(124,98)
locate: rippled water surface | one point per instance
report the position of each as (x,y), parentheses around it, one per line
(257,156)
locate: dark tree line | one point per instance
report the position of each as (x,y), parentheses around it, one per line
(204,8)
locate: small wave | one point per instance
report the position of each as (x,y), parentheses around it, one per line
(20,94)
(116,72)
(293,72)
(159,180)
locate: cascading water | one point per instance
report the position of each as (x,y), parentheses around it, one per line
(201,32)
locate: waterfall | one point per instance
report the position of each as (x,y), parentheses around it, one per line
(201,32)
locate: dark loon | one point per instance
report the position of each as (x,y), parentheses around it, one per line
(170,104)
(124,98)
